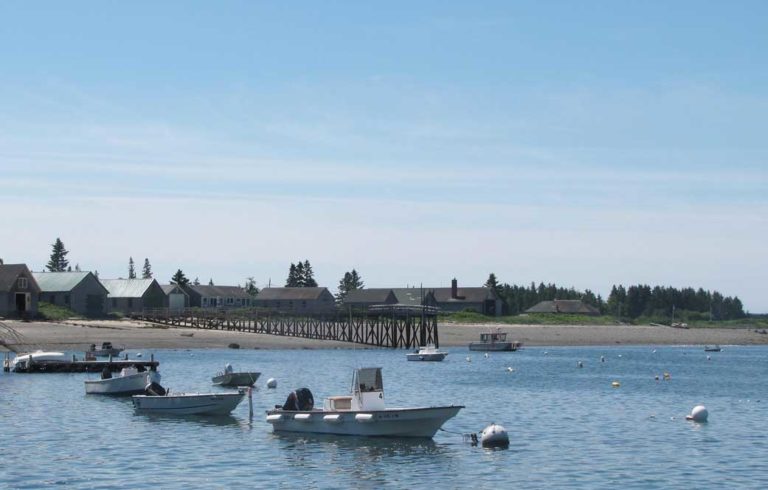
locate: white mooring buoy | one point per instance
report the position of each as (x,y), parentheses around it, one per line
(494,435)
(271,383)
(698,414)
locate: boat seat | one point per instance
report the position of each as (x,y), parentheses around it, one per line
(339,402)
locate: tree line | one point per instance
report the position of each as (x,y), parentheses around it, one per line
(626,302)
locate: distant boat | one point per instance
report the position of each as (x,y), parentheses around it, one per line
(712,348)
(361,413)
(427,353)
(130,381)
(107,349)
(494,341)
(234,379)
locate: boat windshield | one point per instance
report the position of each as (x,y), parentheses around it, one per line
(493,337)
(368,379)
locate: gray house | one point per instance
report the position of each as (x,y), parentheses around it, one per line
(218,296)
(18,291)
(297,300)
(359,299)
(567,306)
(481,300)
(175,297)
(81,292)
(133,295)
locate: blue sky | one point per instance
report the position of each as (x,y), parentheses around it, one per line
(581,143)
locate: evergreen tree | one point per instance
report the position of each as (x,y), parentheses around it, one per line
(210,282)
(309,276)
(146,271)
(293,280)
(349,282)
(179,278)
(196,282)
(77,267)
(58,261)
(250,286)
(131,269)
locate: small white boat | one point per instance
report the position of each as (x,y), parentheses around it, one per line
(234,379)
(427,353)
(362,413)
(107,349)
(130,381)
(188,403)
(22,361)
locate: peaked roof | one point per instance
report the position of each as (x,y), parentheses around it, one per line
(464,295)
(127,288)
(50,282)
(371,295)
(411,296)
(563,306)
(288,294)
(219,291)
(170,288)
(10,272)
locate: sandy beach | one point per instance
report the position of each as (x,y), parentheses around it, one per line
(80,334)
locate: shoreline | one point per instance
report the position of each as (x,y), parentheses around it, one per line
(77,335)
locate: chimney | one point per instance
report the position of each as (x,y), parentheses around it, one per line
(454,288)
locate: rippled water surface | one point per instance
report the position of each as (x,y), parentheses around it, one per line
(568,426)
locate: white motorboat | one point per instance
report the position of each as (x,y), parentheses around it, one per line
(233,379)
(165,403)
(130,381)
(427,353)
(362,413)
(22,361)
(107,349)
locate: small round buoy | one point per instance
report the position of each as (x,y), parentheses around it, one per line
(138,354)
(654,351)
(546,353)
(667,376)
(271,383)
(469,359)
(615,384)
(580,364)
(619,355)
(656,377)
(709,358)
(698,414)
(494,435)
(486,355)
(511,369)
(602,358)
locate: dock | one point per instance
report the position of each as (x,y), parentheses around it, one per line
(75,365)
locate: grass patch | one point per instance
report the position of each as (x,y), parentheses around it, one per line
(47,311)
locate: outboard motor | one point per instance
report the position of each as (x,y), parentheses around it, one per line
(154,389)
(299,400)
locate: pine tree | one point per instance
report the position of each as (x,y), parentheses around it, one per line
(58,261)
(131,269)
(196,282)
(146,271)
(179,278)
(292,280)
(309,276)
(250,286)
(210,282)
(349,282)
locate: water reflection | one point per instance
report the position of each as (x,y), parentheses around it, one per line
(202,420)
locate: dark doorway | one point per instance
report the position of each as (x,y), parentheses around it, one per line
(21,302)
(94,305)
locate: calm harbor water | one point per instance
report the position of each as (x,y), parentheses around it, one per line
(568,426)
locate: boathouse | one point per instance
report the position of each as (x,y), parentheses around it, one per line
(296,300)
(133,295)
(564,306)
(81,292)
(218,296)
(18,291)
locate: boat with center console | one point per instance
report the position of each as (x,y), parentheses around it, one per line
(361,413)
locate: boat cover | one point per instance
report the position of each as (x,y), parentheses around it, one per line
(299,400)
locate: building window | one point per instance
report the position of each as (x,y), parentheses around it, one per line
(230,301)
(205,301)
(22,283)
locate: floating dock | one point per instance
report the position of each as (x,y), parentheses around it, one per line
(75,365)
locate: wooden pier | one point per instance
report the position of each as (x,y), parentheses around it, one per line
(391,326)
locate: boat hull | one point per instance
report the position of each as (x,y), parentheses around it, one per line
(188,404)
(236,379)
(426,357)
(495,346)
(132,384)
(394,422)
